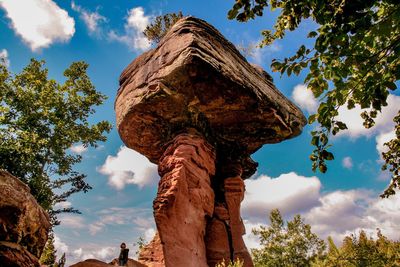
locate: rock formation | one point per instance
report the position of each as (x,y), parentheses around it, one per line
(24,225)
(198,109)
(97,263)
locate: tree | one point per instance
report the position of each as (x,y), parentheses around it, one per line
(160,26)
(362,251)
(48,256)
(286,244)
(354,62)
(236,263)
(40,120)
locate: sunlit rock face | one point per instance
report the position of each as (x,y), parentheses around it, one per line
(24,225)
(196,107)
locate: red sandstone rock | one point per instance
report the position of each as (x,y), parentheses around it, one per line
(23,224)
(184,200)
(198,109)
(234,194)
(196,78)
(152,254)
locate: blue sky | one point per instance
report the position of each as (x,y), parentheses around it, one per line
(107,35)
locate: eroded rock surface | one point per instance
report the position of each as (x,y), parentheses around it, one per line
(24,224)
(198,109)
(184,199)
(152,254)
(196,78)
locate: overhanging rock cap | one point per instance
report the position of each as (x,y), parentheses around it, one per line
(195,78)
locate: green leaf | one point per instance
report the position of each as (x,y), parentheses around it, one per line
(390,85)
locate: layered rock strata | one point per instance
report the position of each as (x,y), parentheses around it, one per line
(185,199)
(196,107)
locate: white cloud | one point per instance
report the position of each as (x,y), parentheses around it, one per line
(133,37)
(60,246)
(259,55)
(337,214)
(72,221)
(289,192)
(39,22)
(149,234)
(129,167)
(92,20)
(141,218)
(383,122)
(63,205)
(347,162)
(383,138)
(304,98)
(79,149)
(92,252)
(4,58)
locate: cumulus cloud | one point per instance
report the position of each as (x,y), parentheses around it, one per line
(383,138)
(133,37)
(347,162)
(289,192)
(129,167)
(4,58)
(305,98)
(72,221)
(337,214)
(259,55)
(39,23)
(141,218)
(92,252)
(383,122)
(92,20)
(60,246)
(62,205)
(79,149)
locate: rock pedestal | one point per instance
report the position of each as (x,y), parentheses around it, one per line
(185,199)
(198,109)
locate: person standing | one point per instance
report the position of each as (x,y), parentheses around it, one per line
(123,255)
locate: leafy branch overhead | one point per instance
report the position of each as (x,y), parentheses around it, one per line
(160,26)
(40,120)
(354,62)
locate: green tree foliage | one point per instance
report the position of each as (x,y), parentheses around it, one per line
(40,120)
(48,256)
(362,251)
(160,26)
(354,62)
(236,263)
(286,244)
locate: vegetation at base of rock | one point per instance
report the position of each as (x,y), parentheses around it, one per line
(140,243)
(236,263)
(40,119)
(293,244)
(354,62)
(362,251)
(160,26)
(288,243)
(48,256)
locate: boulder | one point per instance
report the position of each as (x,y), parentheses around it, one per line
(195,78)
(24,224)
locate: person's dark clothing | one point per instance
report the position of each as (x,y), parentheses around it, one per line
(123,257)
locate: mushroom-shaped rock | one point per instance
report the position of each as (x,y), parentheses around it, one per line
(196,78)
(198,109)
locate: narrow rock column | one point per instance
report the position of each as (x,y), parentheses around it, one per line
(184,200)
(234,194)
(225,229)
